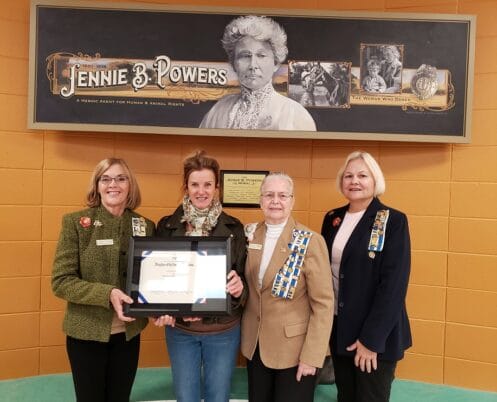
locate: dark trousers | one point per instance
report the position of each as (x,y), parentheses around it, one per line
(354,385)
(277,385)
(103,371)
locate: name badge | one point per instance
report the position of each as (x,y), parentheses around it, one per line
(255,246)
(105,242)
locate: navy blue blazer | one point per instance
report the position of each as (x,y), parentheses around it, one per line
(372,291)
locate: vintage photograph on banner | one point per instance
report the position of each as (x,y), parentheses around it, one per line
(243,72)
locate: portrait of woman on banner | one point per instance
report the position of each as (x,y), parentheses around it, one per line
(256,48)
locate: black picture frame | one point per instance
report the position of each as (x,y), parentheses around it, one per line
(432,104)
(164,276)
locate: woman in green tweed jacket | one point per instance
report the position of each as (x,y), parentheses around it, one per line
(89,272)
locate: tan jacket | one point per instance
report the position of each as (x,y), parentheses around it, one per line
(295,330)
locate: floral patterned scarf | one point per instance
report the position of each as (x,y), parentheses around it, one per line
(200,221)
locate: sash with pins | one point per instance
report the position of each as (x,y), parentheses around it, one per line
(287,277)
(377,239)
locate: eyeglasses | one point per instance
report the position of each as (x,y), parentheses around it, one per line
(280,196)
(107,180)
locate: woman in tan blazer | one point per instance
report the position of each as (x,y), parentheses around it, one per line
(287,320)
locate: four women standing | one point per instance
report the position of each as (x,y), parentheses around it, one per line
(288,314)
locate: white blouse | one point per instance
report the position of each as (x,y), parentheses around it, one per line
(271,111)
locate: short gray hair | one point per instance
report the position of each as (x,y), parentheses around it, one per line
(278,175)
(374,168)
(260,28)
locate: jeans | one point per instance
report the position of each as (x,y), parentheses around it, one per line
(202,364)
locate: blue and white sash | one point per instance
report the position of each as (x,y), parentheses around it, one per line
(377,239)
(287,277)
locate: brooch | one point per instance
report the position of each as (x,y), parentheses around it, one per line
(249,230)
(85,221)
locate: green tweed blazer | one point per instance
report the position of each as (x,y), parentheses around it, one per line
(91,259)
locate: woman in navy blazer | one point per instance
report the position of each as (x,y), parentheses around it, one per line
(370,256)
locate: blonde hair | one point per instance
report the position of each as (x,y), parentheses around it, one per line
(93,197)
(374,168)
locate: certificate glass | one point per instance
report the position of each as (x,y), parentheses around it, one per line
(181,276)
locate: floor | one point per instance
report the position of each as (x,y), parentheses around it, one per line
(155,385)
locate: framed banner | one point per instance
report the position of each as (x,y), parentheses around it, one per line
(179,276)
(97,66)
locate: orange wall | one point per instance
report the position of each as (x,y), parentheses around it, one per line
(448,191)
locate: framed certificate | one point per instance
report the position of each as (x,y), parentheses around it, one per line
(181,276)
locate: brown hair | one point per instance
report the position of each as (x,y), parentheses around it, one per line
(197,161)
(93,197)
